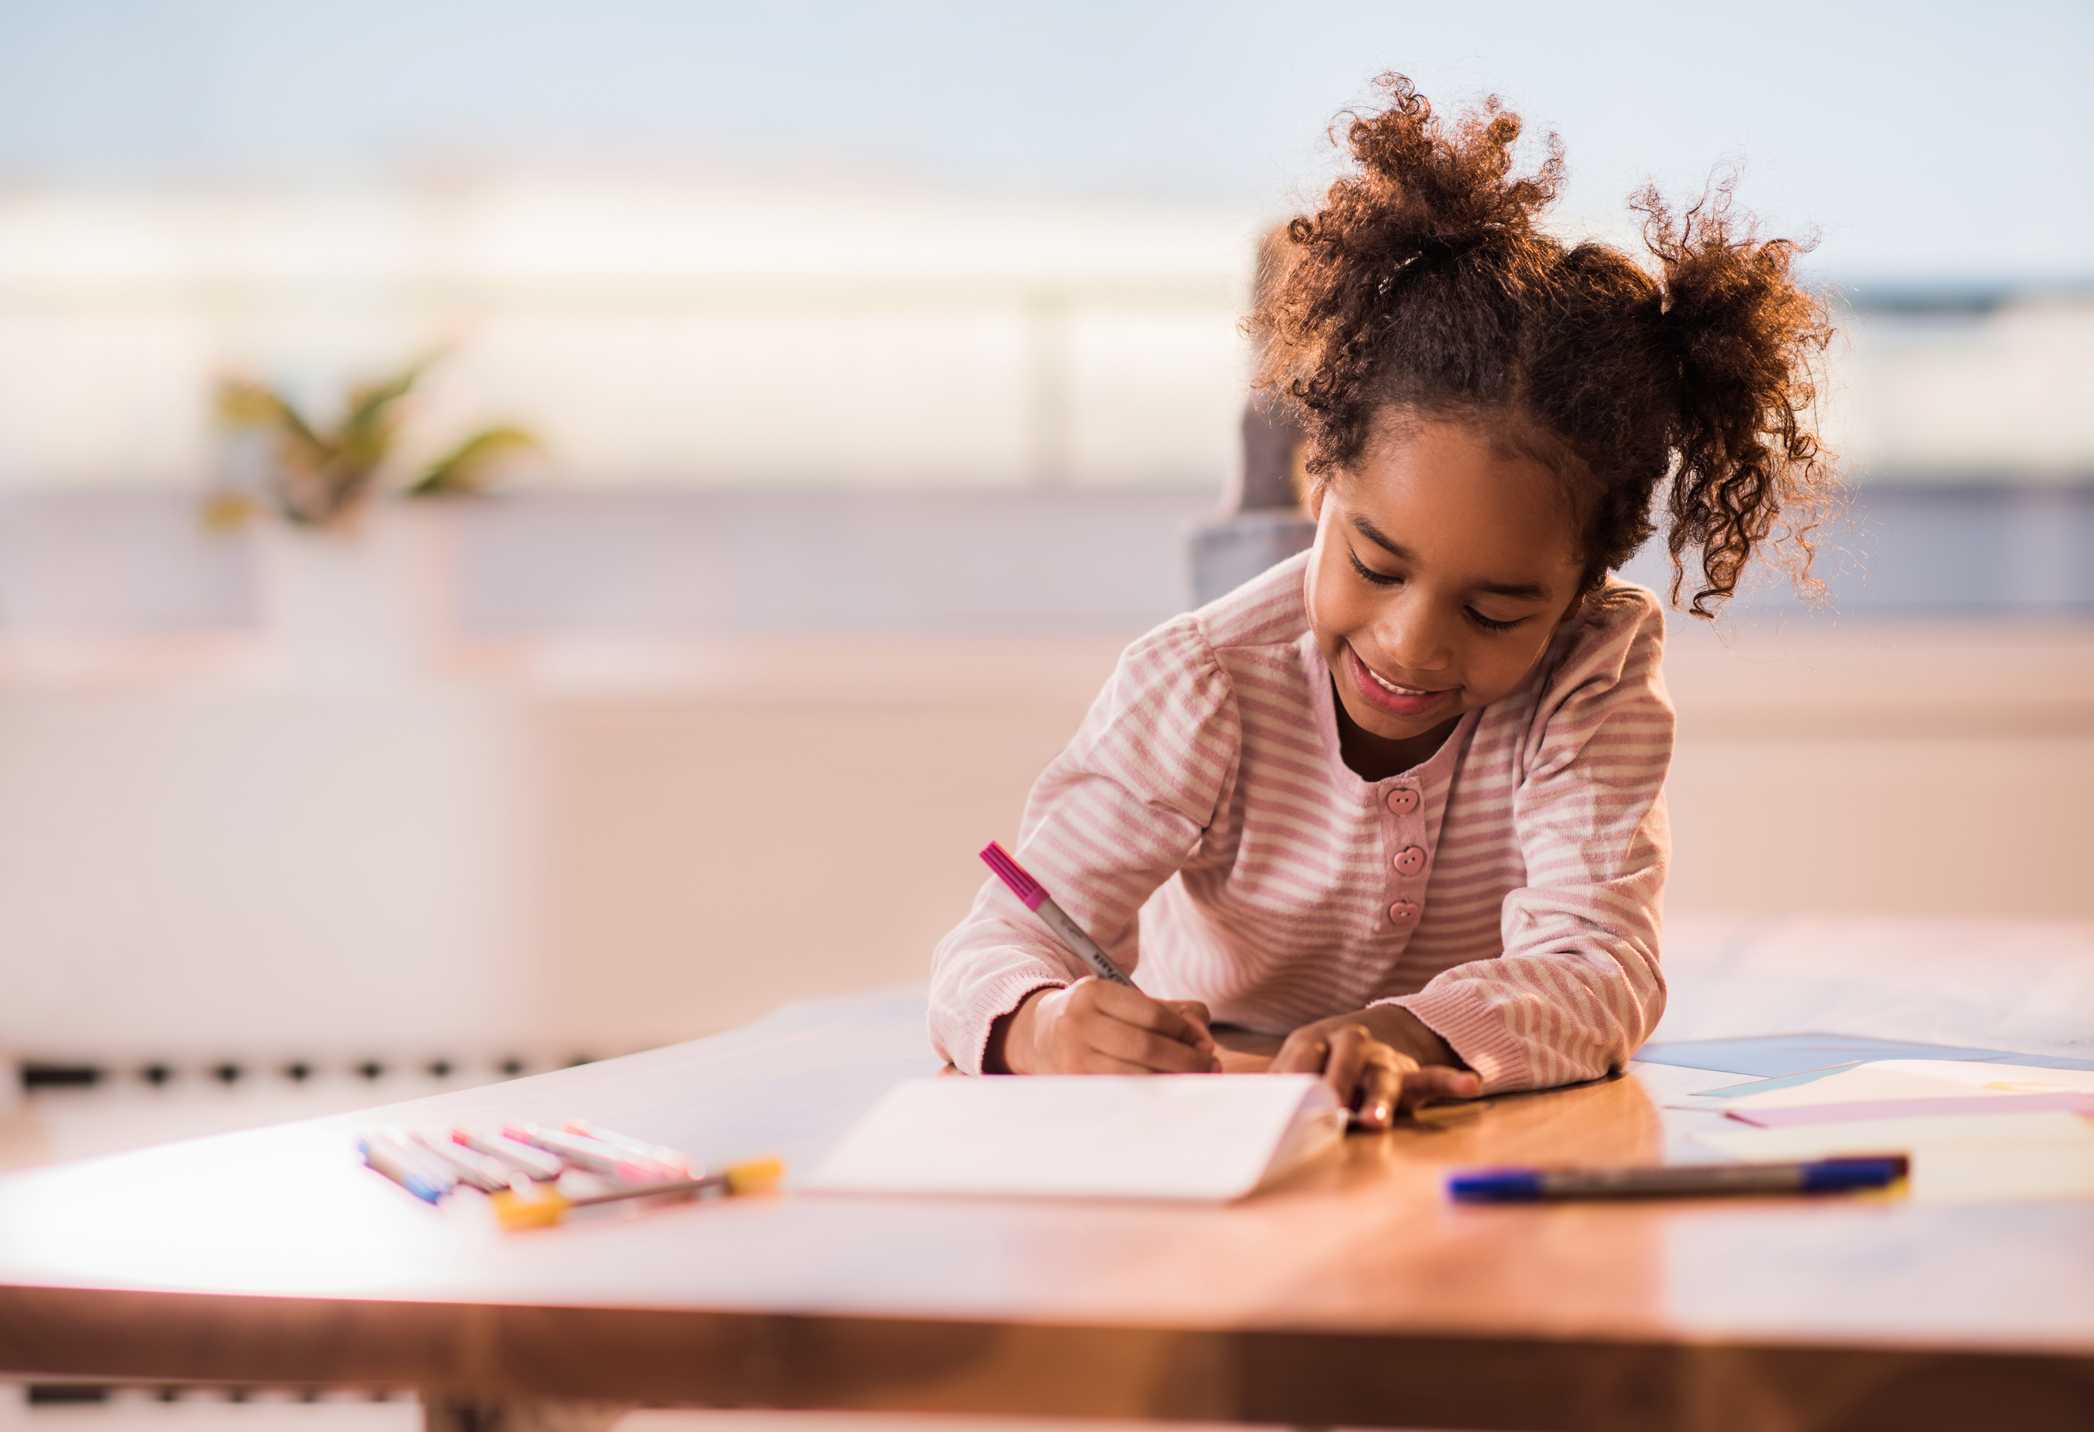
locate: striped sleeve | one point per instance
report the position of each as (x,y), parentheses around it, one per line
(1577,988)
(1111,818)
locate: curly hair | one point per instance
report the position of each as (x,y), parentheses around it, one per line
(1423,287)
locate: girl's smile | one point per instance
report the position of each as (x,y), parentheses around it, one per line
(1396,698)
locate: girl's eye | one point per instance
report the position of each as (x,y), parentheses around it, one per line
(1380,579)
(1490,624)
(1385,579)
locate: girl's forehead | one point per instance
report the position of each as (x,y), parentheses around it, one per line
(1456,501)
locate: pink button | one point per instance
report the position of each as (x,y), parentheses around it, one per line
(1410,860)
(1403,800)
(1404,912)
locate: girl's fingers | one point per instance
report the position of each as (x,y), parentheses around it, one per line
(1303,1053)
(1094,1062)
(1341,1070)
(1131,1006)
(1146,1049)
(1438,1081)
(1197,1016)
(1382,1085)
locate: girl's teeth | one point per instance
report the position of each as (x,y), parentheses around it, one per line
(1392,686)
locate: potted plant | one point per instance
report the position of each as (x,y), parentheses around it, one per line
(323,477)
(380,603)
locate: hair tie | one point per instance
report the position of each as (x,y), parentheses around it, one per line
(1433,249)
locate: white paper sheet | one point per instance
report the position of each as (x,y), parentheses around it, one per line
(1209,1137)
(1955,1159)
(1920,1079)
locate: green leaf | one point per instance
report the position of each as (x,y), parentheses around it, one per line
(467,467)
(246,404)
(367,432)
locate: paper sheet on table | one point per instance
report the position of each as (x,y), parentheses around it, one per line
(1779,1055)
(1920,1079)
(1209,1137)
(1785,1116)
(1955,1159)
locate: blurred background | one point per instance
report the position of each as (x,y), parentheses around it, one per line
(853,380)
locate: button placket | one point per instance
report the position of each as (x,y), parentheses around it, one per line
(1407,865)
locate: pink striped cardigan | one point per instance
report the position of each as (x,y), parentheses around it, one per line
(1203,828)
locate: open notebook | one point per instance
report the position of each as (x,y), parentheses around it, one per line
(1209,1137)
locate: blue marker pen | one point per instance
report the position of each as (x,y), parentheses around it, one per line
(1529,1185)
(382,1156)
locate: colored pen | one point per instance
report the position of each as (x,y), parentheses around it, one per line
(586,1153)
(381,1155)
(632,1148)
(543,1207)
(471,1169)
(530,1162)
(1527,1185)
(405,1150)
(1035,898)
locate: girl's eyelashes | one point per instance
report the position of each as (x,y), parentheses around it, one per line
(1380,579)
(1387,579)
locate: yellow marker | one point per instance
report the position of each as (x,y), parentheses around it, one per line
(542,1207)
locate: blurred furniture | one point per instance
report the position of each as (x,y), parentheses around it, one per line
(1350,1294)
(1263,521)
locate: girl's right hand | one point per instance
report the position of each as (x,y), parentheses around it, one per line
(1093,1027)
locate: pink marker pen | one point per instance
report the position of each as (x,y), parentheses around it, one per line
(1037,900)
(1068,931)
(586,1153)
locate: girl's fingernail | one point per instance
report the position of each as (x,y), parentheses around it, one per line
(1380,1113)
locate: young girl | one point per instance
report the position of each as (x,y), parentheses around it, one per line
(1401,798)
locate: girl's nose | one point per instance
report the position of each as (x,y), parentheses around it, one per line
(1414,635)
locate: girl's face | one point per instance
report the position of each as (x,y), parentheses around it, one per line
(1442,567)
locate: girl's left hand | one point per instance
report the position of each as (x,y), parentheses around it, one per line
(1372,1060)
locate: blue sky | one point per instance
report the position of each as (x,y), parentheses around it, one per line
(1921,142)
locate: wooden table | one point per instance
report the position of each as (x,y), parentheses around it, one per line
(1352,1294)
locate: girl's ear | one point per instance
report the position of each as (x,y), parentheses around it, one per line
(1313,499)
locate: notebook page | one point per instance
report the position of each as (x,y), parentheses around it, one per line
(1210,1137)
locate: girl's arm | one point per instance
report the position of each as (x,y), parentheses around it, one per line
(1112,817)
(1578,987)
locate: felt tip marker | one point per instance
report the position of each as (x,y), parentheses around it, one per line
(1530,1185)
(1035,898)
(471,1169)
(543,1207)
(381,1155)
(401,1145)
(632,1148)
(587,1153)
(530,1162)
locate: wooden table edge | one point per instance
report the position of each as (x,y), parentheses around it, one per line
(815,1361)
